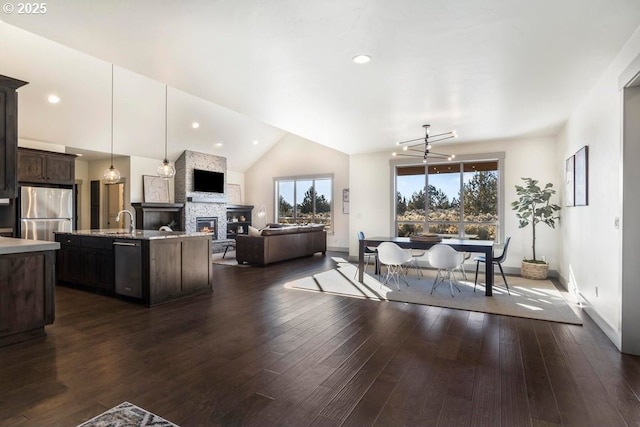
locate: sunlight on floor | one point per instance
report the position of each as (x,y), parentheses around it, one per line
(535,302)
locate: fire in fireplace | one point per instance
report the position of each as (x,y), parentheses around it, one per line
(208,225)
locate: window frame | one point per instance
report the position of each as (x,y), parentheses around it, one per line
(498,157)
(295,179)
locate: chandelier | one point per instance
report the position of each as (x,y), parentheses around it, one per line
(423,149)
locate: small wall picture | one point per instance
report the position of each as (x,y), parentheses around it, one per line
(156,189)
(345,201)
(582,176)
(569,190)
(234,194)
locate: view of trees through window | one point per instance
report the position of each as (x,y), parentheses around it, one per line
(453,199)
(304,201)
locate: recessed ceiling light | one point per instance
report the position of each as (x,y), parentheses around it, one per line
(256,142)
(361,59)
(54,99)
(195,125)
(219,144)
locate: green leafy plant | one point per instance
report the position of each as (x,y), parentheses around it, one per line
(534,206)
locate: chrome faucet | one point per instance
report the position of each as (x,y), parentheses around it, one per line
(132,223)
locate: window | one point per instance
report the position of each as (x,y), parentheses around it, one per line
(303,200)
(455,199)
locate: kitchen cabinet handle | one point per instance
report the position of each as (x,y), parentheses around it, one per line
(125,244)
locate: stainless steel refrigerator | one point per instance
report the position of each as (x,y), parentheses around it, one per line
(44,210)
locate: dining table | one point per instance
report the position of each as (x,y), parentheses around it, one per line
(464,245)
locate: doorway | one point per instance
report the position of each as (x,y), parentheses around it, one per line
(114,203)
(106,201)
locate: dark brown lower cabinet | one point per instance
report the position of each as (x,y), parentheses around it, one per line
(86,261)
(27,295)
(170,268)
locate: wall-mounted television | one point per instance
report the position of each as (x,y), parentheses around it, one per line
(208,181)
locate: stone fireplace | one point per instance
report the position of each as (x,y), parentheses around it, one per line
(208,224)
(198,204)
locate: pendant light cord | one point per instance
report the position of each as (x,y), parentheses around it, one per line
(111,116)
(166,121)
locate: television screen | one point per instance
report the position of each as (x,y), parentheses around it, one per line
(208,181)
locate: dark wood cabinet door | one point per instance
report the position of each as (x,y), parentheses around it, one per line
(106,269)
(9,136)
(35,166)
(165,269)
(22,293)
(31,166)
(7,147)
(195,253)
(90,269)
(60,169)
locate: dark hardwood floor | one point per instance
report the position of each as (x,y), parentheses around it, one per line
(255,353)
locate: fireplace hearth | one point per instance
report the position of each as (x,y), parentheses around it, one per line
(208,225)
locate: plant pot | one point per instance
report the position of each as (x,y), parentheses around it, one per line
(534,270)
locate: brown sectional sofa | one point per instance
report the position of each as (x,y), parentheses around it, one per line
(279,244)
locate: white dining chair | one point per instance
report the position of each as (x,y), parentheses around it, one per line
(394,257)
(445,259)
(460,268)
(415,254)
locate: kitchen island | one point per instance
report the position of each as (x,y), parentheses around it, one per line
(27,288)
(146,266)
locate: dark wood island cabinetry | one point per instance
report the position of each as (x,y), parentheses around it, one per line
(27,289)
(147,265)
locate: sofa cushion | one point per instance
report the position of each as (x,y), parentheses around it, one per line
(253,231)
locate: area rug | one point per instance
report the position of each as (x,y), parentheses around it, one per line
(533,299)
(127,415)
(229,259)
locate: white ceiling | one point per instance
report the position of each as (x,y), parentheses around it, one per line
(490,69)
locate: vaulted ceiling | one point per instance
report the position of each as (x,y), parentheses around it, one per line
(254,70)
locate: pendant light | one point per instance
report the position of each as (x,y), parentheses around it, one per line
(166,170)
(111,175)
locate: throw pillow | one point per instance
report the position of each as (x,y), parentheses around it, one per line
(254,232)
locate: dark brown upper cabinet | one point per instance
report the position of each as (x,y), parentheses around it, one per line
(36,166)
(9,135)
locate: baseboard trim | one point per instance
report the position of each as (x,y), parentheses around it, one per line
(338,249)
(588,309)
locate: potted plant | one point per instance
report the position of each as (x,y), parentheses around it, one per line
(533,207)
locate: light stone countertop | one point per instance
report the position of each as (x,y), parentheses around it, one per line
(137,234)
(10,245)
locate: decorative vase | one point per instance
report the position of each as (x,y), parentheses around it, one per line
(534,270)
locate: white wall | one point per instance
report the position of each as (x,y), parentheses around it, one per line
(590,254)
(39,145)
(144,166)
(238,178)
(294,156)
(371,199)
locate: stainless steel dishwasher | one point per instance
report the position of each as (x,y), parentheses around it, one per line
(128,260)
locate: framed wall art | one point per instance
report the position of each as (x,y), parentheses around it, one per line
(234,194)
(155,189)
(581,177)
(345,201)
(569,188)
